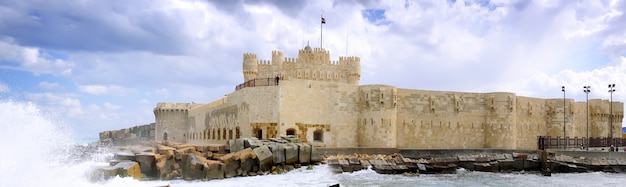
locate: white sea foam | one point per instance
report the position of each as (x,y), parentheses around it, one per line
(35,151)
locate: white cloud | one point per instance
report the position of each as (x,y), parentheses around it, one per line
(50,85)
(104,89)
(60,104)
(4,88)
(32,59)
(110,106)
(527,47)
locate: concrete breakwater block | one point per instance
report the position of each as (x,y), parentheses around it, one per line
(125,155)
(291,153)
(201,162)
(231,163)
(304,153)
(147,163)
(264,158)
(278,153)
(122,169)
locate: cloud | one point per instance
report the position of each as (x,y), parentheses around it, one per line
(104,89)
(31,59)
(4,88)
(59,104)
(112,62)
(50,85)
(110,106)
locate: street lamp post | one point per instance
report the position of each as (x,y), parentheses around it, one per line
(586,90)
(564,134)
(611,90)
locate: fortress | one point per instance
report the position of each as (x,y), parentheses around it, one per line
(321,102)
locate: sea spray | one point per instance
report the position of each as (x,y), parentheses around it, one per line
(38,150)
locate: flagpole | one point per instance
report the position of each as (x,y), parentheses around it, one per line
(321,31)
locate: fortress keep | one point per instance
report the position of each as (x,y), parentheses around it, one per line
(321,102)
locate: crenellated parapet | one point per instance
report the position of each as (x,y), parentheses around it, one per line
(311,64)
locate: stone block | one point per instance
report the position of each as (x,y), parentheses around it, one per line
(247,160)
(291,139)
(231,162)
(315,155)
(125,155)
(147,163)
(278,153)
(304,153)
(264,157)
(194,167)
(291,153)
(236,145)
(161,149)
(123,169)
(165,166)
(178,154)
(215,169)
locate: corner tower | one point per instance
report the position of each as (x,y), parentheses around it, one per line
(250,66)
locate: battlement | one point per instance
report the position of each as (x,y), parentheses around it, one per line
(311,63)
(249,56)
(276,53)
(167,106)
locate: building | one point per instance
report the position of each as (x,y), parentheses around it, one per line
(321,102)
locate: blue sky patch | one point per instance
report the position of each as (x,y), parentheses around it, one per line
(375,16)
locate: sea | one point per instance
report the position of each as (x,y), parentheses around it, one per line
(38,150)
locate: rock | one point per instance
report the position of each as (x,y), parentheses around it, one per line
(165,166)
(236,145)
(278,153)
(123,169)
(179,153)
(231,162)
(304,154)
(264,157)
(291,153)
(202,148)
(247,159)
(147,163)
(291,139)
(215,169)
(125,155)
(194,167)
(315,155)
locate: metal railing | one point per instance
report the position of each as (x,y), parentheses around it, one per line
(547,142)
(259,82)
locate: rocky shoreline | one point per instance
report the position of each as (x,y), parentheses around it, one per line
(251,157)
(545,162)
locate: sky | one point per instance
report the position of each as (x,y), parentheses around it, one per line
(104,65)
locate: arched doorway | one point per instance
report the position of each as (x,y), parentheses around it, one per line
(164,136)
(258,133)
(291,132)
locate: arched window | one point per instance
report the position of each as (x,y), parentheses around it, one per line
(291,131)
(230,134)
(318,135)
(219,134)
(165,136)
(237,132)
(224,134)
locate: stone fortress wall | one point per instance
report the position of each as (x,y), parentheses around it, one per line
(321,102)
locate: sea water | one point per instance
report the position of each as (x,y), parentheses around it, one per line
(37,150)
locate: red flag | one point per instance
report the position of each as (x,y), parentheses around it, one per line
(323,20)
